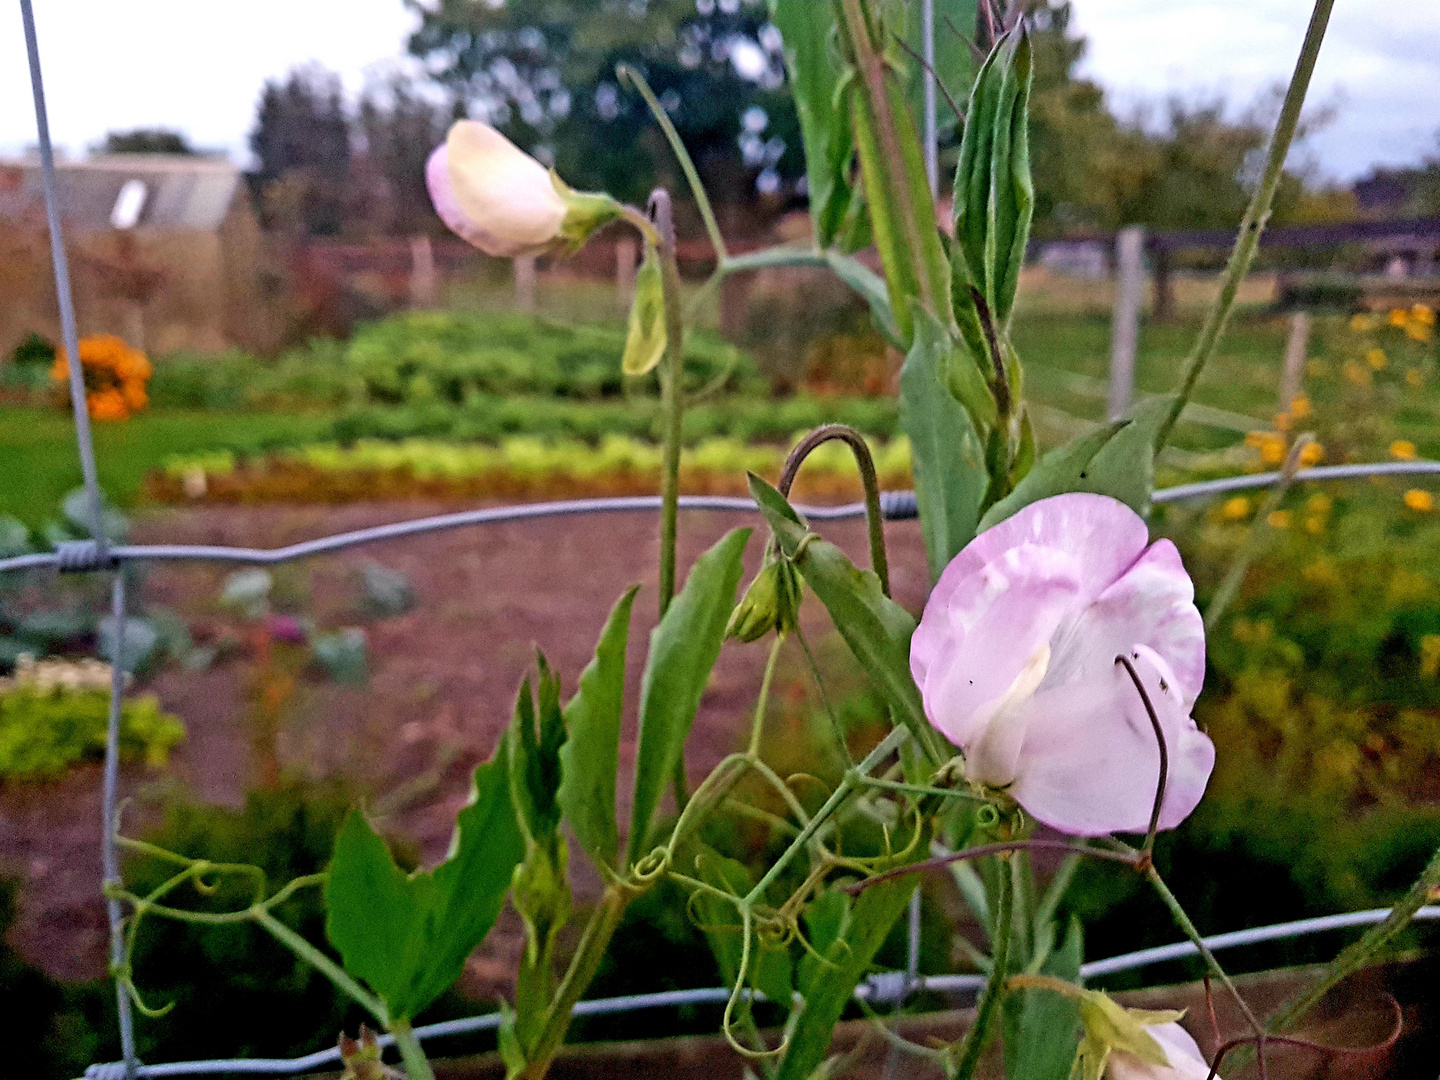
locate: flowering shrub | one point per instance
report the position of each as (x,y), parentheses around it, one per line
(115,376)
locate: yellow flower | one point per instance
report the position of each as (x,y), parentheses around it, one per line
(1414,378)
(1271,445)
(1376,359)
(1236,509)
(1319,503)
(1283,422)
(1300,408)
(1418,500)
(1403,450)
(1430,655)
(1311,454)
(1315,524)
(1399,316)
(1423,313)
(1357,374)
(1362,323)
(1418,331)
(1279,519)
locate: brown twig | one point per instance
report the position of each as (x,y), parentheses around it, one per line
(929,67)
(1149,845)
(1328,1053)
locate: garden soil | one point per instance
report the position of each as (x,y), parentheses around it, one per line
(441,688)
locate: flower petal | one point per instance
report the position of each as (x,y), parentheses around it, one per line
(1153,604)
(979,637)
(442,195)
(1103,535)
(1186,1061)
(1090,761)
(504,192)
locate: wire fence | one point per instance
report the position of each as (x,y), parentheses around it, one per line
(97,554)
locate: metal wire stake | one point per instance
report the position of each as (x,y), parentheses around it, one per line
(68,333)
(110,856)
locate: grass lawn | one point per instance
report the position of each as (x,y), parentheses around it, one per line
(39,462)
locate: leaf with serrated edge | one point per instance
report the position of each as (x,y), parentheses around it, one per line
(683,649)
(590,759)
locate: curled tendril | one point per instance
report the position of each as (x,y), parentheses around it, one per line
(727,1022)
(650,867)
(988,816)
(122,976)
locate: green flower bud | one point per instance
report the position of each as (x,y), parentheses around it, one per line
(772,602)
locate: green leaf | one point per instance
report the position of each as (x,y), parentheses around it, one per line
(950,474)
(645,337)
(770,968)
(876,629)
(1066,468)
(995,197)
(806,28)
(590,758)
(408,935)
(826,921)
(683,649)
(829,988)
(534,760)
(1042,1028)
(341,654)
(14,537)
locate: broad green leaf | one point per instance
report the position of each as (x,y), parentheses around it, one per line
(590,758)
(830,988)
(1066,468)
(408,935)
(876,629)
(950,474)
(806,28)
(826,921)
(1042,1028)
(645,337)
(683,649)
(770,968)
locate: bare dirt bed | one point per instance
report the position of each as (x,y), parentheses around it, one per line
(441,688)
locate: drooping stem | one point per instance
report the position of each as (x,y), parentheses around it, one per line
(1256,216)
(677,147)
(758,727)
(978,1037)
(417,1067)
(322,963)
(868,478)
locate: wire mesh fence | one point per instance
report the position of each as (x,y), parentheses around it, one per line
(98,555)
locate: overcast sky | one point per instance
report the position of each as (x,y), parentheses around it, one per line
(177,63)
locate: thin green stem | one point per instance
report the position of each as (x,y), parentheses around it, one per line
(757,728)
(887,746)
(417,1066)
(972,1047)
(1182,920)
(1254,221)
(1255,538)
(322,963)
(697,189)
(921,789)
(1354,957)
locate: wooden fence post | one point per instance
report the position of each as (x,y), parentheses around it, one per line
(1294,359)
(525,283)
(1125,329)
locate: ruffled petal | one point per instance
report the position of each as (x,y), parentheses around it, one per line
(1090,762)
(1152,604)
(976,640)
(1186,1061)
(1102,534)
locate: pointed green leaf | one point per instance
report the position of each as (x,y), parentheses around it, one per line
(850,957)
(645,337)
(806,28)
(950,475)
(591,757)
(683,649)
(1124,468)
(534,758)
(826,921)
(1042,1028)
(1066,468)
(876,629)
(408,935)
(871,288)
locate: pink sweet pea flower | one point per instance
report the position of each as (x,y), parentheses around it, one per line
(1186,1061)
(1015,657)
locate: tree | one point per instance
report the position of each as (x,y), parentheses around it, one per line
(146,141)
(399,126)
(302,141)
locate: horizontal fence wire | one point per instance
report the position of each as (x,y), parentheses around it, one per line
(884,988)
(81,555)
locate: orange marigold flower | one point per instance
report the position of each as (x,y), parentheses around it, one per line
(1236,509)
(1376,359)
(1312,454)
(1300,408)
(1279,519)
(1403,450)
(1419,500)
